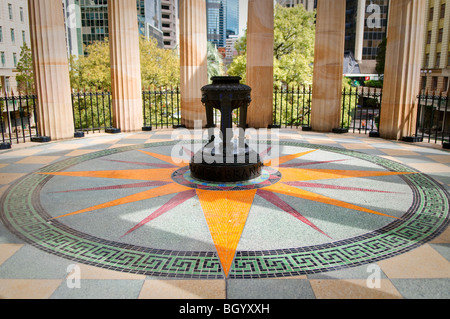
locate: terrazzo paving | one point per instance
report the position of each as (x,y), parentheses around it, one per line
(121,213)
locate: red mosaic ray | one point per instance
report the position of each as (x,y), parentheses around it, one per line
(123,186)
(314,185)
(177,200)
(277,201)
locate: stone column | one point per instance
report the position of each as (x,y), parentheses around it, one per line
(360,23)
(193,61)
(328,65)
(402,68)
(125,65)
(260,62)
(51,69)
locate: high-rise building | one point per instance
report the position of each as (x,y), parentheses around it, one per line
(365,29)
(170,23)
(94,20)
(436,55)
(222,20)
(232,27)
(72,19)
(216,19)
(14,32)
(309,5)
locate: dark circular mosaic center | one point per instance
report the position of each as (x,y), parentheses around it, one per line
(269,176)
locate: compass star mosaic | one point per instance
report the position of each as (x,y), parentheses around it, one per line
(314,209)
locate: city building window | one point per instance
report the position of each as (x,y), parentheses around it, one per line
(10,11)
(13,36)
(427,60)
(15,59)
(1,34)
(24,39)
(443,11)
(441,35)
(3,59)
(429,37)
(430,17)
(445,83)
(434,83)
(438,60)
(21,14)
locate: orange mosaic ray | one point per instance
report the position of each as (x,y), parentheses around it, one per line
(286,158)
(299,174)
(226,214)
(301,193)
(148,194)
(165,158)
(154,174)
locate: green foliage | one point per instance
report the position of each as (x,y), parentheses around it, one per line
(381,57)
(215,61)
(91,72)
(374,83)
(294,36)
(24,78)
(159,67)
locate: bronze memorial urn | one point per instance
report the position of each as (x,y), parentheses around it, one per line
(224,158)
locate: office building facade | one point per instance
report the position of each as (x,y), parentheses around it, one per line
(436,58)
(170,23)
(94,20)
(14,32)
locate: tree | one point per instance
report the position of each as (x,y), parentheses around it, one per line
(215,61)
(381,57)
(159,67)
(25,78)
(92,72)
(294,35)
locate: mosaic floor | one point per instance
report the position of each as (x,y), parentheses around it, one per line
(326,207)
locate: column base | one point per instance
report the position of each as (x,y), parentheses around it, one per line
(112,130)
(5,146)
(78,134)
(41,139)
(147,128)
(340,130)
(412,139)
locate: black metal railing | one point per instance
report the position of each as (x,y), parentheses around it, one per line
(360,110)
(17,118)
(433,117)
(161,108)
(91,111)
(292,106)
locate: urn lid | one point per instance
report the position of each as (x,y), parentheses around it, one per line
(227,84)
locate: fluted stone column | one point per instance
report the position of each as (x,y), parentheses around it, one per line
(125,65)
(328,65)
(260,62)
(51,69)
(360,24)
(402,68)
(193,61)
